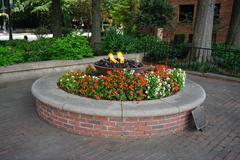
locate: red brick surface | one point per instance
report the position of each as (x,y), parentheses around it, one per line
(114,127)
(179,28)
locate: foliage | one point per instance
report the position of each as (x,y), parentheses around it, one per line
(124,42)
(226,57)
(64,48)
(156,13)
(40,10)
(39,50)
(79,9)
(70,47)
(40,31)
(18,44)
(124,14)
(124,84)
(31,12)
(10,56)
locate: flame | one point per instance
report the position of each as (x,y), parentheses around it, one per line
(120,56)
(112,59)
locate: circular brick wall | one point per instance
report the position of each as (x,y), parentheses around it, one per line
(112,119)
(114,127)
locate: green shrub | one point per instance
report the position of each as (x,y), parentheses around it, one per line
(2,43)
(125,43)
(226,57)
(39,50)
(64,48)
(18,44)
(9,56)
(70,47)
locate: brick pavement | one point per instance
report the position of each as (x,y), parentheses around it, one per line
(23,136)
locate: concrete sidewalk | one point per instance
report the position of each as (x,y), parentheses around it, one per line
(31,36)
(23,136)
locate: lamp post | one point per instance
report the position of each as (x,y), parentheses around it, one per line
(4,21)
(10,6)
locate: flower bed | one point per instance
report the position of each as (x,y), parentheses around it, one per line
(115,119)
(124,85)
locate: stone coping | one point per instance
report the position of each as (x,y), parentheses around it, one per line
(59,63)
(46,90)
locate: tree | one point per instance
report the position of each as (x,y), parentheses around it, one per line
(96,26)
(56,17)
(234,29)
(43,10)
(156,14)
(80,10)
(124,14)
(202,36)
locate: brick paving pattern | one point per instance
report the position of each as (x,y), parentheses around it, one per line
(24,136)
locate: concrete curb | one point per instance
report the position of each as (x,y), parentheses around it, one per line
(38,69)
(46,90)
(214,76)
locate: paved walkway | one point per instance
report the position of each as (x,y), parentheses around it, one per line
(31,36)
(24,136)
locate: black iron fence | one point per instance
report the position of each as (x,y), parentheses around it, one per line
(218,59)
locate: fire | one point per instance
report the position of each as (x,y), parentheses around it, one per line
(120,56)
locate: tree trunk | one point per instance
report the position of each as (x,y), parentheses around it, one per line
(57,20)
(202,36)
(96,26)
(234,29)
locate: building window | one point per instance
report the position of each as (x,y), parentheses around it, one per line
(190,38)
(186,13)
(179,39)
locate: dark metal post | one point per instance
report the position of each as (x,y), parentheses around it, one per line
(10,19)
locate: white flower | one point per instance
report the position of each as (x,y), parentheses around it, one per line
(132,71)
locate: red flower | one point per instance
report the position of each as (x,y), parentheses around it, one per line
(97,97)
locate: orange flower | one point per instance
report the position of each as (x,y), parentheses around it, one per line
(97,97)
(131,87)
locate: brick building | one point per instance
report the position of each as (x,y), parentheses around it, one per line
(182,30)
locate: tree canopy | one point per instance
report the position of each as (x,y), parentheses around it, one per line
(156,13)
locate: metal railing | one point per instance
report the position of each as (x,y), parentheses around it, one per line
(221,58)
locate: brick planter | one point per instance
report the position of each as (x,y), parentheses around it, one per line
(112,119)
